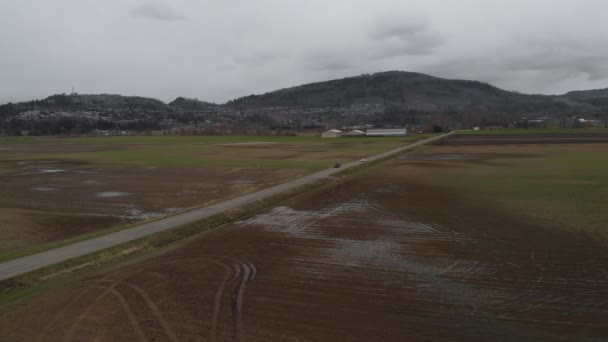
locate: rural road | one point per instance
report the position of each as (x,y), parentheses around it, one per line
(33,262)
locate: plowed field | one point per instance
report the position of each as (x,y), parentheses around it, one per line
(52,189)
(390,256)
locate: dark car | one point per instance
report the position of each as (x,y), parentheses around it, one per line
(337,165)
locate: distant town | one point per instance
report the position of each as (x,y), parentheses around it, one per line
(416,102)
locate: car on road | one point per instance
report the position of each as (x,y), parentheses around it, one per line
(363,160)
(337,165)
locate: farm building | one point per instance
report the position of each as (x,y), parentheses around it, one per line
(332,133)
(354,133)
(388,132)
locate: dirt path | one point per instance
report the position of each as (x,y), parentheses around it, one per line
(36,261)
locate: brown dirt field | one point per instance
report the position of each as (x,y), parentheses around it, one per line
(81,186)
(25,228)
(380,258)
(47,201)
(542,138)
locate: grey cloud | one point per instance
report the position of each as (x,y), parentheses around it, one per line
(593,68)
(331,66)
(417,45)
(395,26)
(226,67)
(256,59)
(231,48)
(158,11)
(562,58)
(398,34)
(541,71)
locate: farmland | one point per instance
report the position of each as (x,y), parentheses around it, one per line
(55,189)
(450,242)
(524,131)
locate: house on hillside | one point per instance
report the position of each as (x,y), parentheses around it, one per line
(332,133)
(387,132)
(354,133)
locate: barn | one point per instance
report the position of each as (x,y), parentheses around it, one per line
(354,133)
(332,133)
(388,132)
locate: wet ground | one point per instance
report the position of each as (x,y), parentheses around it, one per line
(49,200)
(379,258)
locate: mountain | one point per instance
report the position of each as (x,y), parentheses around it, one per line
(594,97)
(587,94)
(98,102)
(393,98)
(190,104)
(407,91)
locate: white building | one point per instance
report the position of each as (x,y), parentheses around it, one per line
(354,133)
(332,133)
(388,132)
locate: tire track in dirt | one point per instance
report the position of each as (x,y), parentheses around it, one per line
(253,270)
(155,311)
(217,299)
(58,316)
(132,319)
(238,295)
(107,285)
(240,272)
(87,310)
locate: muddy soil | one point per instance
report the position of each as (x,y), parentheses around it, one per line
(381,258)
(47,201)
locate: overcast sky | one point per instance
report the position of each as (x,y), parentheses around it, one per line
(218,50)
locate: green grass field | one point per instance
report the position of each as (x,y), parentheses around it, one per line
(308,153)
(564,184)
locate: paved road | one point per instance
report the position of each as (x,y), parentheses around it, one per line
(33,262)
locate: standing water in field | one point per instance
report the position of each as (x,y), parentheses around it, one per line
(108,194)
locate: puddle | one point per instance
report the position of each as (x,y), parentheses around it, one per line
(278,217)
(138,214)
(143,215)
(43,188)
(46,167)
(297,223)
(51,170)
(109,194)
(38,167)
(377,252)
(39,171)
